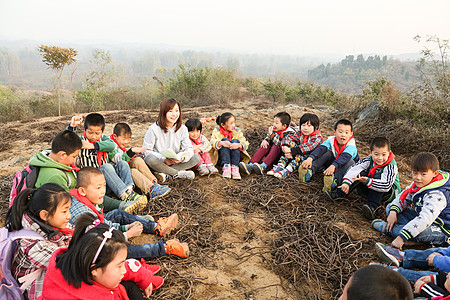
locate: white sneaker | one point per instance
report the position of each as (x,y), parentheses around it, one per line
(185,175)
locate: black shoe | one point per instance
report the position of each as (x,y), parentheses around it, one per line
(368,212)
(334,195)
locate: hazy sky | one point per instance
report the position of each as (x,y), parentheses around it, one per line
(285,27)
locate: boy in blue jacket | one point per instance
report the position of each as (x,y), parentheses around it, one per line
(336,154)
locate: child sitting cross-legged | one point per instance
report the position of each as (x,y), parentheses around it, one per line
(270,149)
(140,173)
(94,266)
(429,194)
(88,197)
(296,147)
(336,154)
(376,176)
(94,153)
(46,212)
(201,146)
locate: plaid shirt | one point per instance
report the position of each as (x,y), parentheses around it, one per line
(77,209)
(276,139)
(296,141)
(32,255)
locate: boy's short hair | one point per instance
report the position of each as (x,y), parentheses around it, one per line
(67,141)
(376,282)
(122,129)
(94,119)
(85,174)
(311,118)
(193,124)
(380,142)
(343,122)
(425,161)
(284,117)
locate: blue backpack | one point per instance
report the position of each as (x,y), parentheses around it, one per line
(9,287)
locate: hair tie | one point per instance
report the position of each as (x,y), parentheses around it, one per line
(94,224)
(107,235)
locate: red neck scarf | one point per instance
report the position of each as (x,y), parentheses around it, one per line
(198,140)
(281,132)
(375,166)
(305,137)
(85,201)
(100,154)
(340,150)
(74,168)
(415,189)
(65,231)
(226,133)
(115,141)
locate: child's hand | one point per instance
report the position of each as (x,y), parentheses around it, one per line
(289,155)
(225,144)
(134,229)
(345,188)
(87,145)
(75,121)
(235,146)
(197,151)
(362,179)
(307,163)
(138,149)
(264,144)
(270,129)
(419,284)
(398,243)
(171,161)
(148,291)
(330,170)
(286,149)
(431,257)
(391,220)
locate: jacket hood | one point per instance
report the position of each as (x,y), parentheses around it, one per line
(42,159)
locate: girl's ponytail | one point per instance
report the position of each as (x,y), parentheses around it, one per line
(218,120)
(223,118)
(20,206)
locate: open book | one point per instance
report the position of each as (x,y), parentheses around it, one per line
(169,153)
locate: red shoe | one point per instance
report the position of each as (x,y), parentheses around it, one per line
(153,268)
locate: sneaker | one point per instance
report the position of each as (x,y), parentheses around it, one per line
(235,173)
(226,171)
(185,175)
(153,268)
(393,268)
(212,169)
(134,202)
(282,174)
(275,169)
(161,177)
(158,191)
(379,225)
(334,195)
(166,225)
(329,183)
(174,247)
(202,170)
(259,169)
(368,212)
(389,254)
(304,174)
(246,168)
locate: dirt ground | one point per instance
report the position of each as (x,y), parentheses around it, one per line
(258,238)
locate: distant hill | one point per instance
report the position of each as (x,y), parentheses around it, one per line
(350,74)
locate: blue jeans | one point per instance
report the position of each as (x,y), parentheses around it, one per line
(432,234)
(413,259)
(138,251)
(117,177)
(326,160)
(228,156)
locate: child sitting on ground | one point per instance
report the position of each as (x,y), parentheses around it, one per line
(375,175)
(336,154)
(228,143)
(94,153)
(201,147)
(429,221)
(376,283)
(296,147)
(88,198)
(95,267)
(140,173)
(270,149)
(45,211)
(433,287)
